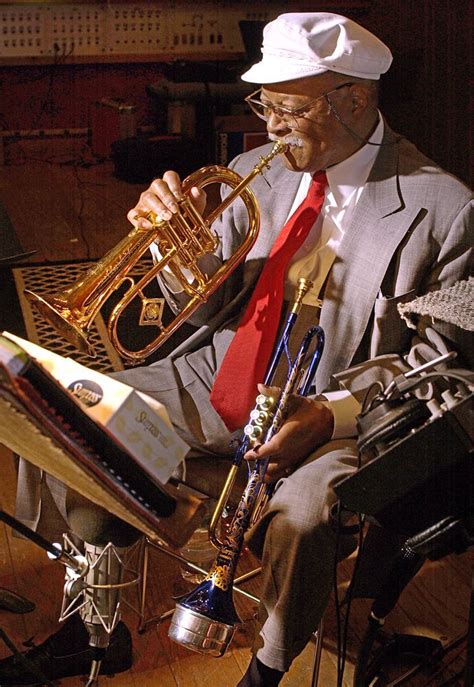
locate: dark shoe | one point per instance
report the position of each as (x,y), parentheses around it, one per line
(260,675)
(66,654)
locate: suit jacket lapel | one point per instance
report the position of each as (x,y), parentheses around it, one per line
(278,189)
(379,223)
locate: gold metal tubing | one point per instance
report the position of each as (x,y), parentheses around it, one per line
(182,241)
(220,505)
(202,178)
(263,163)
(304,286)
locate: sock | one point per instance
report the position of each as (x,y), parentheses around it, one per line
(260,675)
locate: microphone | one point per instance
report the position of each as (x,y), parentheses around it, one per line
(95,594)
(95,575)
(95,591)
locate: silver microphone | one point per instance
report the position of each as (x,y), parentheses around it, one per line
(93,589)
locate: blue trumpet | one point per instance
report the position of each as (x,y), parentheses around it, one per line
(205,619)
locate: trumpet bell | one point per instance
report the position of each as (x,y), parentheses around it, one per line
(205,619)
(56,310)
(200,633)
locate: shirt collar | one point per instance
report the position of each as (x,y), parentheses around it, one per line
(352,173)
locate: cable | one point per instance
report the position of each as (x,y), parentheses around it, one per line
(369,391)
(336,601)
(343,627)
(80,212)
(409,385)
(354,134)
(47,98)
(58,59)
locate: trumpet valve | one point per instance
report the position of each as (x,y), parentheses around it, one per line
(258,416)
(264,402)
(253,432)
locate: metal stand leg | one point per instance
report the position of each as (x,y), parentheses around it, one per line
(317,655)
(144,558)
(469,673)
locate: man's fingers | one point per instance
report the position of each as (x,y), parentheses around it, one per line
(160,201)
(173,183)
(270,448)
(276,471)
(162,197)
(273,391)
(135,217)
(198,194)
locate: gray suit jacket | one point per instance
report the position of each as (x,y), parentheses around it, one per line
(411,232)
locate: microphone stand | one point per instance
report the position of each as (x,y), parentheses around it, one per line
(95,593)
(54,550)
(94,581)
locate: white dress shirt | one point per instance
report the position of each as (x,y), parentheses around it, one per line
(314,259)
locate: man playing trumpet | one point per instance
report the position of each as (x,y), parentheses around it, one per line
(389,225)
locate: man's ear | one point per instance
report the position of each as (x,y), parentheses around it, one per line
(359,95)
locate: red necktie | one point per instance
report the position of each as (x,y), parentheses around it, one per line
(245,363)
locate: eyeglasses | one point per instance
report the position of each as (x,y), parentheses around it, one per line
(265,110)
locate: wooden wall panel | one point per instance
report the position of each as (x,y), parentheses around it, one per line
(61,96)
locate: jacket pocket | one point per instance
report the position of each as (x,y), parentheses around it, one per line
(390,333)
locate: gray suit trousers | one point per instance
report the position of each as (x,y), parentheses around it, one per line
(297,542)
(295,538)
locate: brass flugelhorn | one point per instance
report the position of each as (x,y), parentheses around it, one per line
(182,241)
(205,619)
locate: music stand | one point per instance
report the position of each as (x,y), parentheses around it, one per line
(45,424)
(10,260)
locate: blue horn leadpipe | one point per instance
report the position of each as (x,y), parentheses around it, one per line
(205,619)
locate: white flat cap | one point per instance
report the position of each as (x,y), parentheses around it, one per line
(300,44)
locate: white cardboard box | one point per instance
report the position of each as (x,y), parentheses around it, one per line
(138,421)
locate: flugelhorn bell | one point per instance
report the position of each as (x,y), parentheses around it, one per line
(183,241)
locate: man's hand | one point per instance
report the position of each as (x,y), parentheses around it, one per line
(160,198)
(308,424)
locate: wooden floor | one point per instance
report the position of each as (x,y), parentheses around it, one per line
(77,211)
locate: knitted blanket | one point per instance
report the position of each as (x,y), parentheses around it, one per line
(454,305)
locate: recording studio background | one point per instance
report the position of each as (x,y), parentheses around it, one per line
(98,97)
(122,73)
